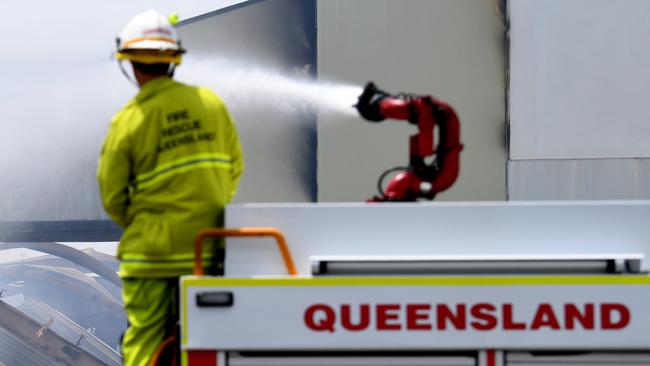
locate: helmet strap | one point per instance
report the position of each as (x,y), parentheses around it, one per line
(126,74)
(170,71)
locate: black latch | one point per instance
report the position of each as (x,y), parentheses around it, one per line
(214,299)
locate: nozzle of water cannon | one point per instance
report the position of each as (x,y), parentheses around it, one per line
(368,103)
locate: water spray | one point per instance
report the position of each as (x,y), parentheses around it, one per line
(264,89)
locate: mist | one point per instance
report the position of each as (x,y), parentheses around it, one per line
(242,83)
(49,148)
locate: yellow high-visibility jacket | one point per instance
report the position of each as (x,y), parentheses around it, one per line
(170,163)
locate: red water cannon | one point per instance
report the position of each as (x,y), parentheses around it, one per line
(420,179)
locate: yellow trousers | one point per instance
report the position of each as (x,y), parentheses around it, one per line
(151,309)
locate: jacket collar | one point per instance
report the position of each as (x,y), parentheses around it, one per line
(154,86)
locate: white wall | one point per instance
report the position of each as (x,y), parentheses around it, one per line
(580,84)
(579,96)
(246,56)
(451,49)
(60,89)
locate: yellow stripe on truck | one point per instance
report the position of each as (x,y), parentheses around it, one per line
(421,281)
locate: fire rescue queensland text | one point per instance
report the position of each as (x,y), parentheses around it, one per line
(459,317)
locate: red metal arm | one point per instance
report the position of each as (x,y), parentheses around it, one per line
(426,112)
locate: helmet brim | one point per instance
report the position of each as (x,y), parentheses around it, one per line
(150,56)
(152,45)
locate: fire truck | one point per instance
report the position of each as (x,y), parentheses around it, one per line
(485,284)
(421,283)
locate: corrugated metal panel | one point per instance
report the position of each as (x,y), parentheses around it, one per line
(15,352)
(582,179)
(37,336)
(82,303)
(71,331)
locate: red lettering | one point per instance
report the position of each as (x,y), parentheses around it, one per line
(326,318)
(606,316)
(485,320)
(586,318)
(545,317)
(484,317)
(416,313)
(385,314)
(157,30)
(508,321)
(444,313)
(364,317)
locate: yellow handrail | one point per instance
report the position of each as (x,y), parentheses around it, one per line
(239,232)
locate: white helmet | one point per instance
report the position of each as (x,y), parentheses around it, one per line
(150,38)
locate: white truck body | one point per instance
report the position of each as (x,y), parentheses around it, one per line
(428,319)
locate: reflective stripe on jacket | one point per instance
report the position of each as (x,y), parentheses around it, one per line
(170,163)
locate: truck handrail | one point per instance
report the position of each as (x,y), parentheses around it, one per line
(242,232)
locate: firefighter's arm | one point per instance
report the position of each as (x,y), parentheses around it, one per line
(237,158)
(113,173)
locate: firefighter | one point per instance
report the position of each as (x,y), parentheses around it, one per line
(170,163)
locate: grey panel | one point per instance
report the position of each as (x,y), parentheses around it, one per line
(452,49)
(63,231)
(581,179)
